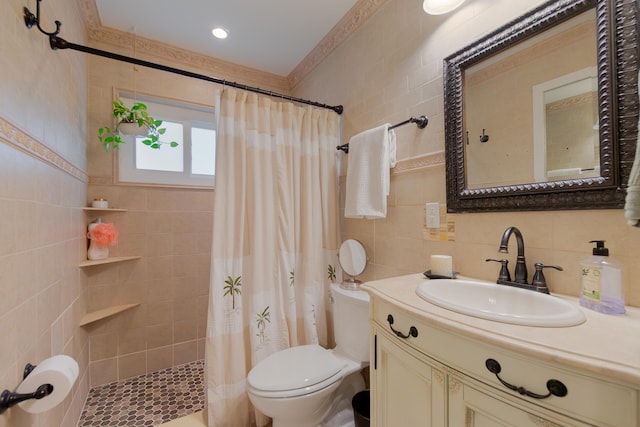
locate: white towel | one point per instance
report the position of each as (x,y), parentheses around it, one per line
(371,154)
(632,202)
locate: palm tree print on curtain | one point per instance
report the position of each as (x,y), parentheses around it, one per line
(275,230)
(261,320)
(331,273)
(291,291)
(232,288)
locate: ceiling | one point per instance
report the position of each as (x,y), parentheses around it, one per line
(273,36)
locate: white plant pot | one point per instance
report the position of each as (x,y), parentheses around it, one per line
(132,129)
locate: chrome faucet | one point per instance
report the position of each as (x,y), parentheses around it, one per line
(539,283)
(521,266)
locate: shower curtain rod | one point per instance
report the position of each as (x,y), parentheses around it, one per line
(59,43)
(421,122)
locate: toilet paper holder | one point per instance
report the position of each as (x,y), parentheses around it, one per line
(8,398)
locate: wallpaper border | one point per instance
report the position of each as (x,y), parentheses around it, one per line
(19,139)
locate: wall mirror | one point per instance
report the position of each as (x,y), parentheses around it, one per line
(542,113)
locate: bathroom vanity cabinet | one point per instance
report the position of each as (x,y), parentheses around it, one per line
(408,389)
(437,374)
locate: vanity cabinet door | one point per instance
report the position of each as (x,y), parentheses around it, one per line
(473,406)
(406,390)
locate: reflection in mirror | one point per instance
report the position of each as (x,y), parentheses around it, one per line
(565,127)
(542,113)
(499,97)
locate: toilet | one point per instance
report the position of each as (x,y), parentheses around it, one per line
(309,385)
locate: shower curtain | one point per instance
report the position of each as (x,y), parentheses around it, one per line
(275,241)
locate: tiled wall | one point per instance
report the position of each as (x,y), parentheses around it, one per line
(391,69)
(43,186)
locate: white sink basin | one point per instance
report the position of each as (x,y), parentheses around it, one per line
(500,303)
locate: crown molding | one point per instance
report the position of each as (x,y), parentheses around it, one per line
(89,14)
(352,21)
(349,24)
(153,48)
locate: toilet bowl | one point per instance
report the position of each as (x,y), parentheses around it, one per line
(297,387)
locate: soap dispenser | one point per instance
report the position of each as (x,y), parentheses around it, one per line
(601,281)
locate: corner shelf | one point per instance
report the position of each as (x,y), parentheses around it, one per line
(89,209)
(89,263)
(94,316)
(92,262)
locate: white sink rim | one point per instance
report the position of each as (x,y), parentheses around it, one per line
(500,303)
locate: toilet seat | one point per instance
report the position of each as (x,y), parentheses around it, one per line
(295,372)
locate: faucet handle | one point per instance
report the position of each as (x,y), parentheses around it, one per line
(539,281)
(504,270)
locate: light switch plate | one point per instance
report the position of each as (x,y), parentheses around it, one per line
(433,215)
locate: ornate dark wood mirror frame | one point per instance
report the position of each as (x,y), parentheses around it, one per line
(617,57)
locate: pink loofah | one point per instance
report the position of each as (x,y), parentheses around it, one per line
(103,234)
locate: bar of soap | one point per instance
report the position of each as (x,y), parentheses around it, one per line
(441,265)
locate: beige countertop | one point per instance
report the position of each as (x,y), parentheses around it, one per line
(605,345)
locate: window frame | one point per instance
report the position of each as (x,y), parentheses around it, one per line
(190,115)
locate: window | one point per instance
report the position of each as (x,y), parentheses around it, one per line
(191,163)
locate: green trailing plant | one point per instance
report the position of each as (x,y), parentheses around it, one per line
(110,137)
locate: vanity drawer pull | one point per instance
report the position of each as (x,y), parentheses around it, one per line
(413,331)
(555,387)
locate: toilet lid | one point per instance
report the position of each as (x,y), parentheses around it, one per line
(294,368)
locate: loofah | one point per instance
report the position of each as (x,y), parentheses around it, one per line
(103,234)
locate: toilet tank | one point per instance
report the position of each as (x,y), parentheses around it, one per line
(351,322)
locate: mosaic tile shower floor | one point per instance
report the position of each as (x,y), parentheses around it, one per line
(147,400)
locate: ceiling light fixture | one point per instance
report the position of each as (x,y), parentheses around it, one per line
(220,33)
(439,7)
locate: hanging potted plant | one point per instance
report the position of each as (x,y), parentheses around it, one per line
(132,121)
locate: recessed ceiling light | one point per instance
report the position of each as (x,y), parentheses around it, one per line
(439,7)
(220,33)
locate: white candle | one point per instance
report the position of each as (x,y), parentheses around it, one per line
(100,203)
(441,265)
